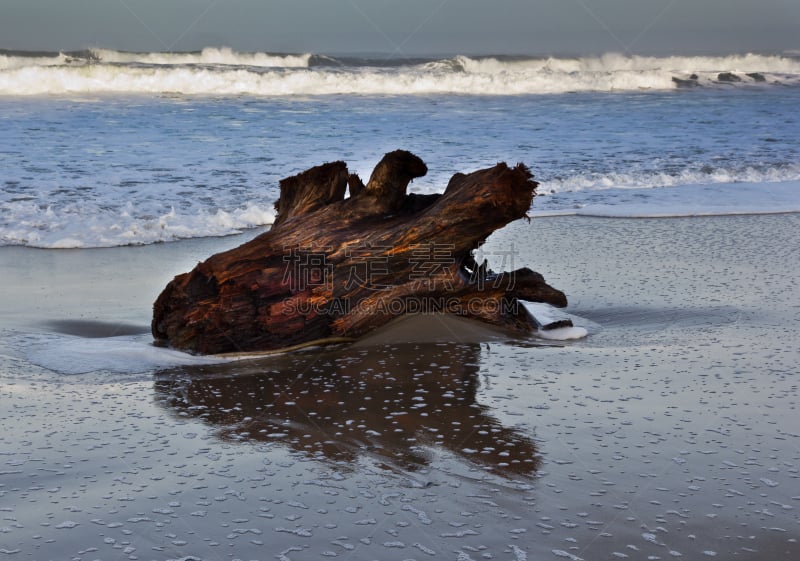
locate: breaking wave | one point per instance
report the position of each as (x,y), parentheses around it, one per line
(650,180)
(85,225)
(222,71)
(719,191)
(221,56)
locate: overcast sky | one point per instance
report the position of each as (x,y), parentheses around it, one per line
(406,27)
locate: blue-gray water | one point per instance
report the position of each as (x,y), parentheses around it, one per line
(141,149)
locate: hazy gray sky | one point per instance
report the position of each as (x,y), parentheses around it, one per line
(405,27)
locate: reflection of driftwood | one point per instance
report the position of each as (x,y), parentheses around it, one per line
(394,404)
(332,267)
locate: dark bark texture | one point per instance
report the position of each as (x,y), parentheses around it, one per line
(333,268)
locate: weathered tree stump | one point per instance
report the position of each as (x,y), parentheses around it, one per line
(333,268)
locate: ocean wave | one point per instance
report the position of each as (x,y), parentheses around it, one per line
(14,61)
(615,62)
(219,56)
(208,56)
(81,226)
(720,191)
(651,180)
(715,199)
(222,71)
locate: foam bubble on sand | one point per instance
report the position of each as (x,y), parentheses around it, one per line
(563,333)
(546,314)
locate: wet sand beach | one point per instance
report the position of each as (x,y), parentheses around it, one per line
(671,431)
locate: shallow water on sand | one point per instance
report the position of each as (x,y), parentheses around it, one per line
(670,432)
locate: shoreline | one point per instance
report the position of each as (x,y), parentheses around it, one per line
(669,430)
(740,198)
(534,214)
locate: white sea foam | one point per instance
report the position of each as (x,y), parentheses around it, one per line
(220,71)
(208,56)
(645,180)
(546,314)
(718,199)
(85,225)
(8,62)
(88,225)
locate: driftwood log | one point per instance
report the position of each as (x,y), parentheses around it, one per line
(333,268)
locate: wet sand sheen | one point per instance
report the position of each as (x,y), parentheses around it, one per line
(670,430)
